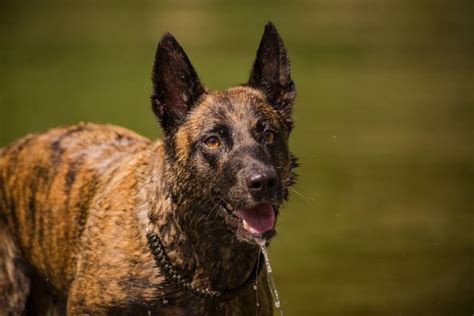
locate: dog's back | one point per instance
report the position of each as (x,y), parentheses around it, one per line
(48,181)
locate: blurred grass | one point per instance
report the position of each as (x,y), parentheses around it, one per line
(381,221)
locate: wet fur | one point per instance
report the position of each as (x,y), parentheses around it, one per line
(75,201)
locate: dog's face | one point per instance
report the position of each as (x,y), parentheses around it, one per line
(229,149)
(238,144)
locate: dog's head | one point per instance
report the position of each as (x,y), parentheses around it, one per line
(227,151)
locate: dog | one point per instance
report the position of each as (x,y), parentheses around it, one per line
(98,220)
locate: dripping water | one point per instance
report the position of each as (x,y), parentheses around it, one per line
(255,287)
(271,282)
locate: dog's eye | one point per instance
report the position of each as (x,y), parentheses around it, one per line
(212,142)
(269,137)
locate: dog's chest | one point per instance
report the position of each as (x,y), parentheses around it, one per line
(191,305)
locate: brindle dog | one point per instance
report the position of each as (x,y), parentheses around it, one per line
(95,219)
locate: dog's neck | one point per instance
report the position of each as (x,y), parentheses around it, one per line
(203,248)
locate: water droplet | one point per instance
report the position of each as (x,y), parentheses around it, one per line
(271,282)
(255,287)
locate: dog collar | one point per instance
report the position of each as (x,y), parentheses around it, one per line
(171,273)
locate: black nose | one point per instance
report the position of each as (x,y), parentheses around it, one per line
(261,183)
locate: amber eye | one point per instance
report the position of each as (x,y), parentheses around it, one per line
(212,142)
(269,136)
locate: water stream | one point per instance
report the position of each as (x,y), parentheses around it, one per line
(271,282)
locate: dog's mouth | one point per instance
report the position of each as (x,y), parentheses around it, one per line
(256,222)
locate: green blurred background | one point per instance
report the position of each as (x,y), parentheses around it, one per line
(381,221)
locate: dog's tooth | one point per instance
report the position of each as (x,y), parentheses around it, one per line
(224,207)
(248,228)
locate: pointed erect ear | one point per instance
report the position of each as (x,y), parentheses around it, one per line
(271,73)
(176,86)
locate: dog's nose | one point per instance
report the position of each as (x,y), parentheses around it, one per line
(261,183)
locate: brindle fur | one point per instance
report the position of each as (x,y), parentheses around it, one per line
(75,201)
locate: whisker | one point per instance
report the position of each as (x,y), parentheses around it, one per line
(214,207)
(299,194)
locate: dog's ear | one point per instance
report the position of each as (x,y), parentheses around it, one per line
(271,73)
(176,86)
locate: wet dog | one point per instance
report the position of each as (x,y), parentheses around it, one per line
(95,219)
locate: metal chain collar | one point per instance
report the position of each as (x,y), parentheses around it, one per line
(170,272)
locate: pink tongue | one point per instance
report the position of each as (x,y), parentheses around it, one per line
(259,219)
